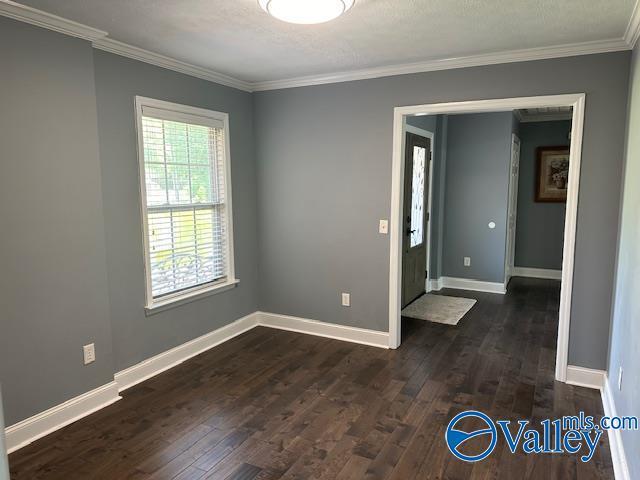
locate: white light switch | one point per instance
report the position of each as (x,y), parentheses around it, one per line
(467,261)
(346,299)
(492,225)
(89,353)
(384,227)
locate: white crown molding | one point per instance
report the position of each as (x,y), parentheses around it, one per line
(126,50)
(99,39)
(546,118)
(42,19)
(542,117)
(518,115)
(633,28)
(569,50)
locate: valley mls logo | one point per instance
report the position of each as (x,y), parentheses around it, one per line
(457,438)
(472,436)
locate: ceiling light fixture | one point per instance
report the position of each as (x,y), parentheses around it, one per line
(306,12)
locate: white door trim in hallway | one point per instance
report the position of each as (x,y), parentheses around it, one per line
(498,105)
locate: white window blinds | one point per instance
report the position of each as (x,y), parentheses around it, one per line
(184,196)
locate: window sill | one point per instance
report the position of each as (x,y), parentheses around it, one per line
(162,305)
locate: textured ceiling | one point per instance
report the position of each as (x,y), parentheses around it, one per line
(237,38)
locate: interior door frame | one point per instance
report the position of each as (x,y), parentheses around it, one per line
(510,247)
(431,136)
(577,101)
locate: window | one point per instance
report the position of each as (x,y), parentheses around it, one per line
(417,196)
(186,200)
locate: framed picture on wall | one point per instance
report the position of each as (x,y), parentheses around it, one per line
(552,174)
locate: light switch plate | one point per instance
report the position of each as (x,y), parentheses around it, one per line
(384,227)
(346,299)
(467,261)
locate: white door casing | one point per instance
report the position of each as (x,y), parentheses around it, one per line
(577,102)
(512,211)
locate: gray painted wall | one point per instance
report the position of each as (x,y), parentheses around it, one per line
(53,287)
(625,330)
(74,249)
(322,181)
(324,169)
(540,226)
(136,336)
(425,122)
(477,189)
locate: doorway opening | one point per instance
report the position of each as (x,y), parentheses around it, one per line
(419,138)
(459,207)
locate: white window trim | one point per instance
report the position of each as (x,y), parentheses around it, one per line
(203,117)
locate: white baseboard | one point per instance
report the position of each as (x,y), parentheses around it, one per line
(537,273)
(44,423)
(618,456)
(322,329)
(164,361)
(468,284)
(585,377)
(435,284)
(37,426)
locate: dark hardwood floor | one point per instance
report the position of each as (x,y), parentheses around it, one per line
(279,405)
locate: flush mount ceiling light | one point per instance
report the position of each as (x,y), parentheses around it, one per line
(306,11)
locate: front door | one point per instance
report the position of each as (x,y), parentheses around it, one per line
(414,245)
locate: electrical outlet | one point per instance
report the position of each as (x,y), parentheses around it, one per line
(467,261)
(89,353)
(620,379)
(346,299)
(383,227)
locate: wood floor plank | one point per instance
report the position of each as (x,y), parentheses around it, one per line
(274,404)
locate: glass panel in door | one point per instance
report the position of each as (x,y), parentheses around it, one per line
(417,196)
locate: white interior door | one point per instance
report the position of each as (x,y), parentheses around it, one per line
(512,212)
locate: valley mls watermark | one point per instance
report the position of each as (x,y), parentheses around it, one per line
(569,434)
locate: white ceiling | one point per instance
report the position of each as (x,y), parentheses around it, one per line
(236,38)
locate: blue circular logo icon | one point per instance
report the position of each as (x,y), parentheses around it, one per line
(456,438)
